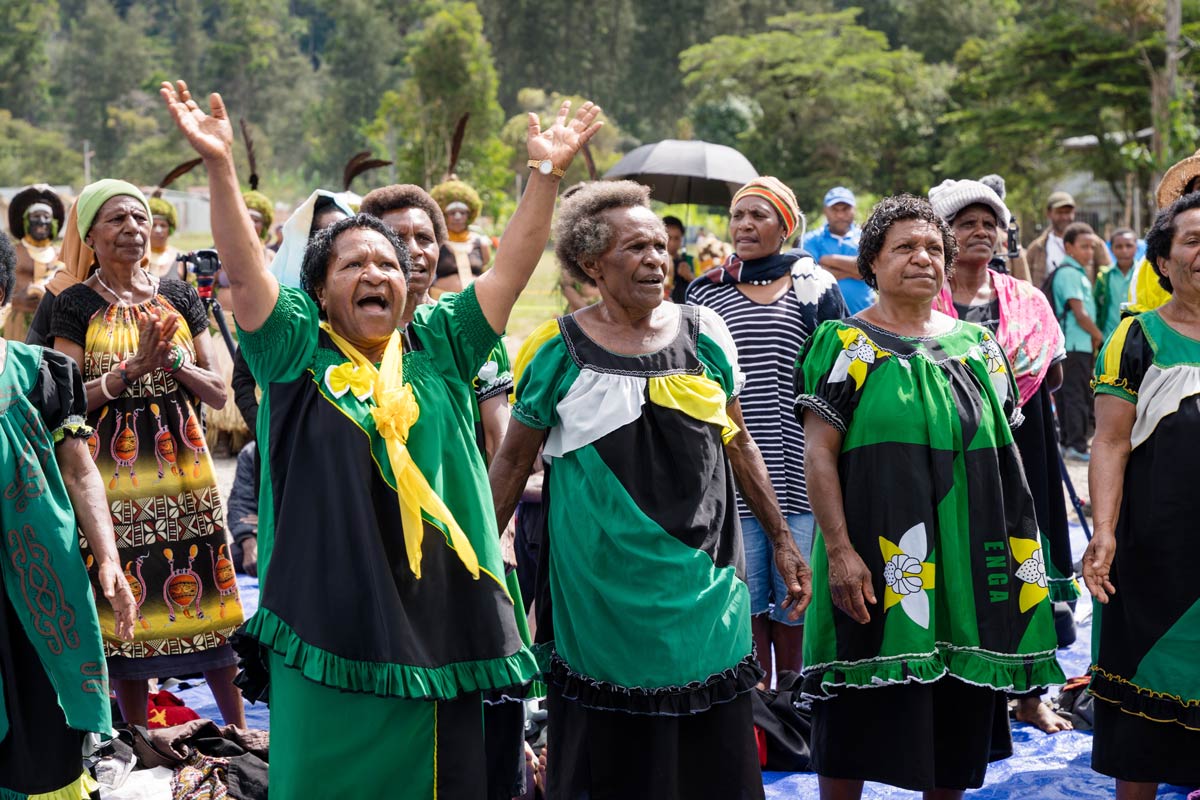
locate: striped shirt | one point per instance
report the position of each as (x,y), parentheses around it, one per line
(769,338)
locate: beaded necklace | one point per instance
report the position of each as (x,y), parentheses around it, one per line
(120,302)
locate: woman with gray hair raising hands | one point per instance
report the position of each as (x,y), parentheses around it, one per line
(644,614)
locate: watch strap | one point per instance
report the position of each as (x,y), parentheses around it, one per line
(534,163)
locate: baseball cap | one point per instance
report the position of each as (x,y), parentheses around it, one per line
(839,194)
(1059,199)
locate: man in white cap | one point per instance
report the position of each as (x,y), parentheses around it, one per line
(835,247)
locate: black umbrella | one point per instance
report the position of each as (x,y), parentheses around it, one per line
(679,171)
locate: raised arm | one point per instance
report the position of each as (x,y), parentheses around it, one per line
(525,238)
(254,289)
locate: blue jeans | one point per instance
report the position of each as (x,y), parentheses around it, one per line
(767,589)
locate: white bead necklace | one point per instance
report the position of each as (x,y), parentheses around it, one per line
(120,302)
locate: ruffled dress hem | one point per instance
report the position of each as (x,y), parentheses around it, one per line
(379,678)
(667,701)
(1143,702)
(999,671)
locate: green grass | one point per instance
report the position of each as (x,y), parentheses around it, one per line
(187,242)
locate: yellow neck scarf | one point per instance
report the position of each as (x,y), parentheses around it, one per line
(394,412)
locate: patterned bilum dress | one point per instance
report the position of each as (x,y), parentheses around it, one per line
(162,492)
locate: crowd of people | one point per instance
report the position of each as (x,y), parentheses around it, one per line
(624,512)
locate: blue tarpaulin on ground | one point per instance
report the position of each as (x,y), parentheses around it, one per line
(1043,767)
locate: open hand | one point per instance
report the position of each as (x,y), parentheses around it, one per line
(116,591)
(562,140)
(798,576)
(850,584)
(211,135)
(1097,561)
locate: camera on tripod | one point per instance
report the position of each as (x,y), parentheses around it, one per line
(204,264)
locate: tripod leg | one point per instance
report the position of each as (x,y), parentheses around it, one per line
(1075,501)
(219,315)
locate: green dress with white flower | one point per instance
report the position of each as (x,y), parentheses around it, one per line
(937,506)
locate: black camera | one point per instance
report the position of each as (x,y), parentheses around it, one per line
(1000,263)
(204,264)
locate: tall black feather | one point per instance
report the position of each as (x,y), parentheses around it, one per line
(460,130)
(591,163)
(250,154)
(349,171)
(179,171)
(359,166)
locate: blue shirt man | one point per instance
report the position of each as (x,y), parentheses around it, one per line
(835,247)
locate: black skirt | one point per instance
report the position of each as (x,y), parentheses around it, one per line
(40,753)
(918,736)
(613,755)
(1132,748)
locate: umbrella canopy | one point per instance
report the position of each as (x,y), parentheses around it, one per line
(679,171)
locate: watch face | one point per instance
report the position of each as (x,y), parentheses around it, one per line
(546,166)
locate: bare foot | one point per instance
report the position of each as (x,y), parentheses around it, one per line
(1033,711)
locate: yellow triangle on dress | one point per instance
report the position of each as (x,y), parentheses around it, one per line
(697,396)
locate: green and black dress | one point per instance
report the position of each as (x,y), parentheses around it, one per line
(1146,651)
(375,676)
(644,614)
(53,682)
(937,507)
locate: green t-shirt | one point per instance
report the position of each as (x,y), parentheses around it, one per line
(1112,287)
(1070,282)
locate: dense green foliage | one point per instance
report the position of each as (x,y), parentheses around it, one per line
(883,95)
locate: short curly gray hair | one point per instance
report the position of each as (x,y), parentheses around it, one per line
(581,233)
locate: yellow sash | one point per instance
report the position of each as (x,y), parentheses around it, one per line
(394,412)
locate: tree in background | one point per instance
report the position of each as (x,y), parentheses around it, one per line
(885,95)
(254,59)
(852,110)
(104,59)
(935,28)
(25,79)
(450,73)
(1070,69)
(29,154)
